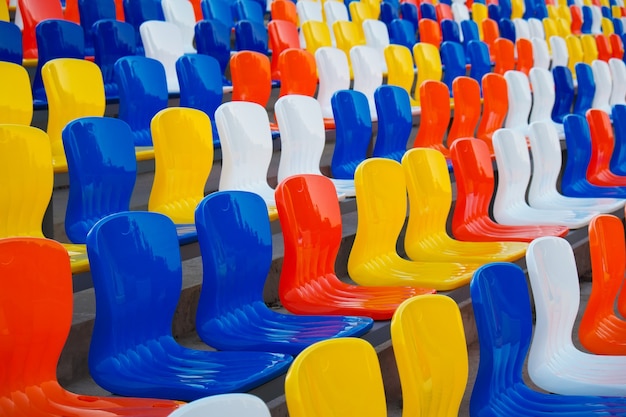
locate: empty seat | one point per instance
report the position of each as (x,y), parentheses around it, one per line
(181,13)
(16,98)
(163,41)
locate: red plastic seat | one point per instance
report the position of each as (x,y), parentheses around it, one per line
(36,299)
(310,219)
(282,35)
(435,117)
(577,19)
(503,55)
(197,10)
(602,145)
(467,106)
(525,60)
(495,107)
(430,32)
(617,46)
(604,47)
(473,169)
(71,11)
(32,12)
(444,11)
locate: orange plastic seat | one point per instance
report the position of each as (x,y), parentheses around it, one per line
(435,116)
(197,10)
(525,60)
(467,108)
(310,219)
(32,12)
(475,184)
(503,56)
(617,46)
(491,32)
(602,145)
(36,300)
(284,10)
(71,11)
(444,11)
(601,330)
(250,73)
(119,11)
(430,32)
(604,47)
(298,72)
(282,35)
(495,107)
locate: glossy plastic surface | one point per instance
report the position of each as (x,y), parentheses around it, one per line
(16,99)
(377,36)
(525,58)
(181,13)
(234,232)
(334,75)
(310,219)
(428,182)
(604,85)
(89,13)
(242,405)
(435,117)
(444,11)
(316,35)
(617,46)
(132,349)
(427,63)
(74,89)
(427,11)
(143,92)
(507,29)
(394,122)
(218,10)
(247,10)
(381,210)
(495,107)
(251,76)
(544,97)
(541,54)
(475,184)
(491,32)
(298,72)
(590,49)
(334,12)
(400,69)
(575,52)
(604,47)
(478,54)
(410,12)
(504,56)
(467,109)
(38,269)
(402,32)
(453,59)
(368,74)
(251,36)
(340,376)
(354,132)
(564,93)
(359,12)
(284,10)
(213,38)
(577,19)
(602,145)
(469,29)
(31,13)
(163,42)
(618,75)
(309,10)
(136,12)
(522,29)
(554,363)
(560,54)
(282,35)
(520,101)
(450,31)
(431,352)
(619,152)
(112,40)
(430,32)
(11,48)
(479,13)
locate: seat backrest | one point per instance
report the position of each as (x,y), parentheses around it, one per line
(453,59)
(163,41)
(618,75)
(491,32)
(410,12)
(219,10)
(431,352)
(368,74)
(450,31)
(429,31)
(309,10)
(444,11)
(298,72)
(143,92)
(251,35)
(575,52)
(75,89)
(181,13)
(513,162)
(27,180)
(377,36)
(316,35)
(619,153)
(602,140)
(604,85)
(603,45)
(469,29)
(507,30)
(564,93)
(31,13)
(525,57)
(617,46)
(427,11)
(520,100)
(16,98)
(284,11)
(400,68)
(183,157)
(435,116)
(359,12)
(335,376)
(213,38)
(251,75)
(550,29)
(590,49)
(543,94)
(467,109)
(136,12)
(248,10)
(586,88)
(480,62)
(112,40)
(577,19)
(90,12)
(388,12)
(495,106)
(282,35)
(547,160)
(560,55)
(334,74)
(246,140)
(578,143)
(522,28)
(504,55)
(395,122)
(102,168)
(243,405)
(541,54)
(11,48)
(348,35)
(427,62)
(401,32)
(460,12)
(479,13)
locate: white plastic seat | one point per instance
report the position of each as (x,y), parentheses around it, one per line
(510,207)
(541,54)
(377,36)
(554,363)
(618,75)
(604,85)
(460,12)
(162,41)
(335,11)
(535,26)
(560,54)
(309,10)
(520,101)
(246,140)
(302,139)
(522,29)
(180,13)
(368,74)
(334,74)
(240,405)
(547,162)
(542,84)
(596,22)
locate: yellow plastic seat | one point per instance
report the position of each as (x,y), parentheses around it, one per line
(563,12)
(400,70)
(428,64)
(517,9)
(575,52)
(552,11)
(616,11)
(564,27)
(550,28)
(16,97)
(4,11)
(607,26)
(359,12)
(381,210)
(336,377)
(374,6)
(183,158)
(429,345)
(316,35)
(347,35)
(430,199)
(590,48)
(26,181)
(479,13)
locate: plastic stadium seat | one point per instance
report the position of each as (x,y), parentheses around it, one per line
(309,10)
(401,32)
(491,32)
(200,83)
(400,71)
(246,150)
(495,107)
(504,321)
(444,11)
(11,47)
(575,52)
(467,109)
(410,13)
(242,405)
(395,122)
(590,49)
(335,12)
(453,60)
(251,36)
(541,54)
(604,86)
(181,13)
(577,19)
(112,40)
(334,75)
(282,35)
(504,56)
(428,182)
(388,12)
(377,36)
(522,28)
(368,74)
(564,93)
(429,32)
(284,10)
(479,13)
(38,269)
(431,352)
(560,54)
(91,12)
(336,376)
(16,98)
(554,363)
(475,183)
(316,35)
(427,63)
(381,209)
(134,332)
(359,12)
(602,146)
(136,12)
(480,63)
(617,46)
(507,29)
(514,172)
(450,31)
(427,11)
(435,117)
(469,29)
(604,47)
(247,10)
(4,12)
(213,39)
(520,101)
(30,13)
(544,97)
(163,41)
(619,152)
(547,162)
(143,92)
(75,89)
(618,75)
(251,76)
(232,226)
(183,157)
(298,72)
(525,58)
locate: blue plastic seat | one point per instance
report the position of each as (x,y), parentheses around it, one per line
(394,122)
(574,181)
(143,93)
(401,32)
(248,10)
(428,11)
(478,53)
(587,19)
(11,46)
(618,26)
(219,10)
(606,12)
(236,246)
(469,29)
(388,12)
(112,40)
(506,9)
(353,132)
(586,88)
(453,60)
(200,86)
(213,39)
(504,321)
(138,11)
(251,36)
(450,31)
(137,274)
(564,93)
(90,12)
(493,12)
(618,158)
(409,12)
(55,39)
(507,29)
